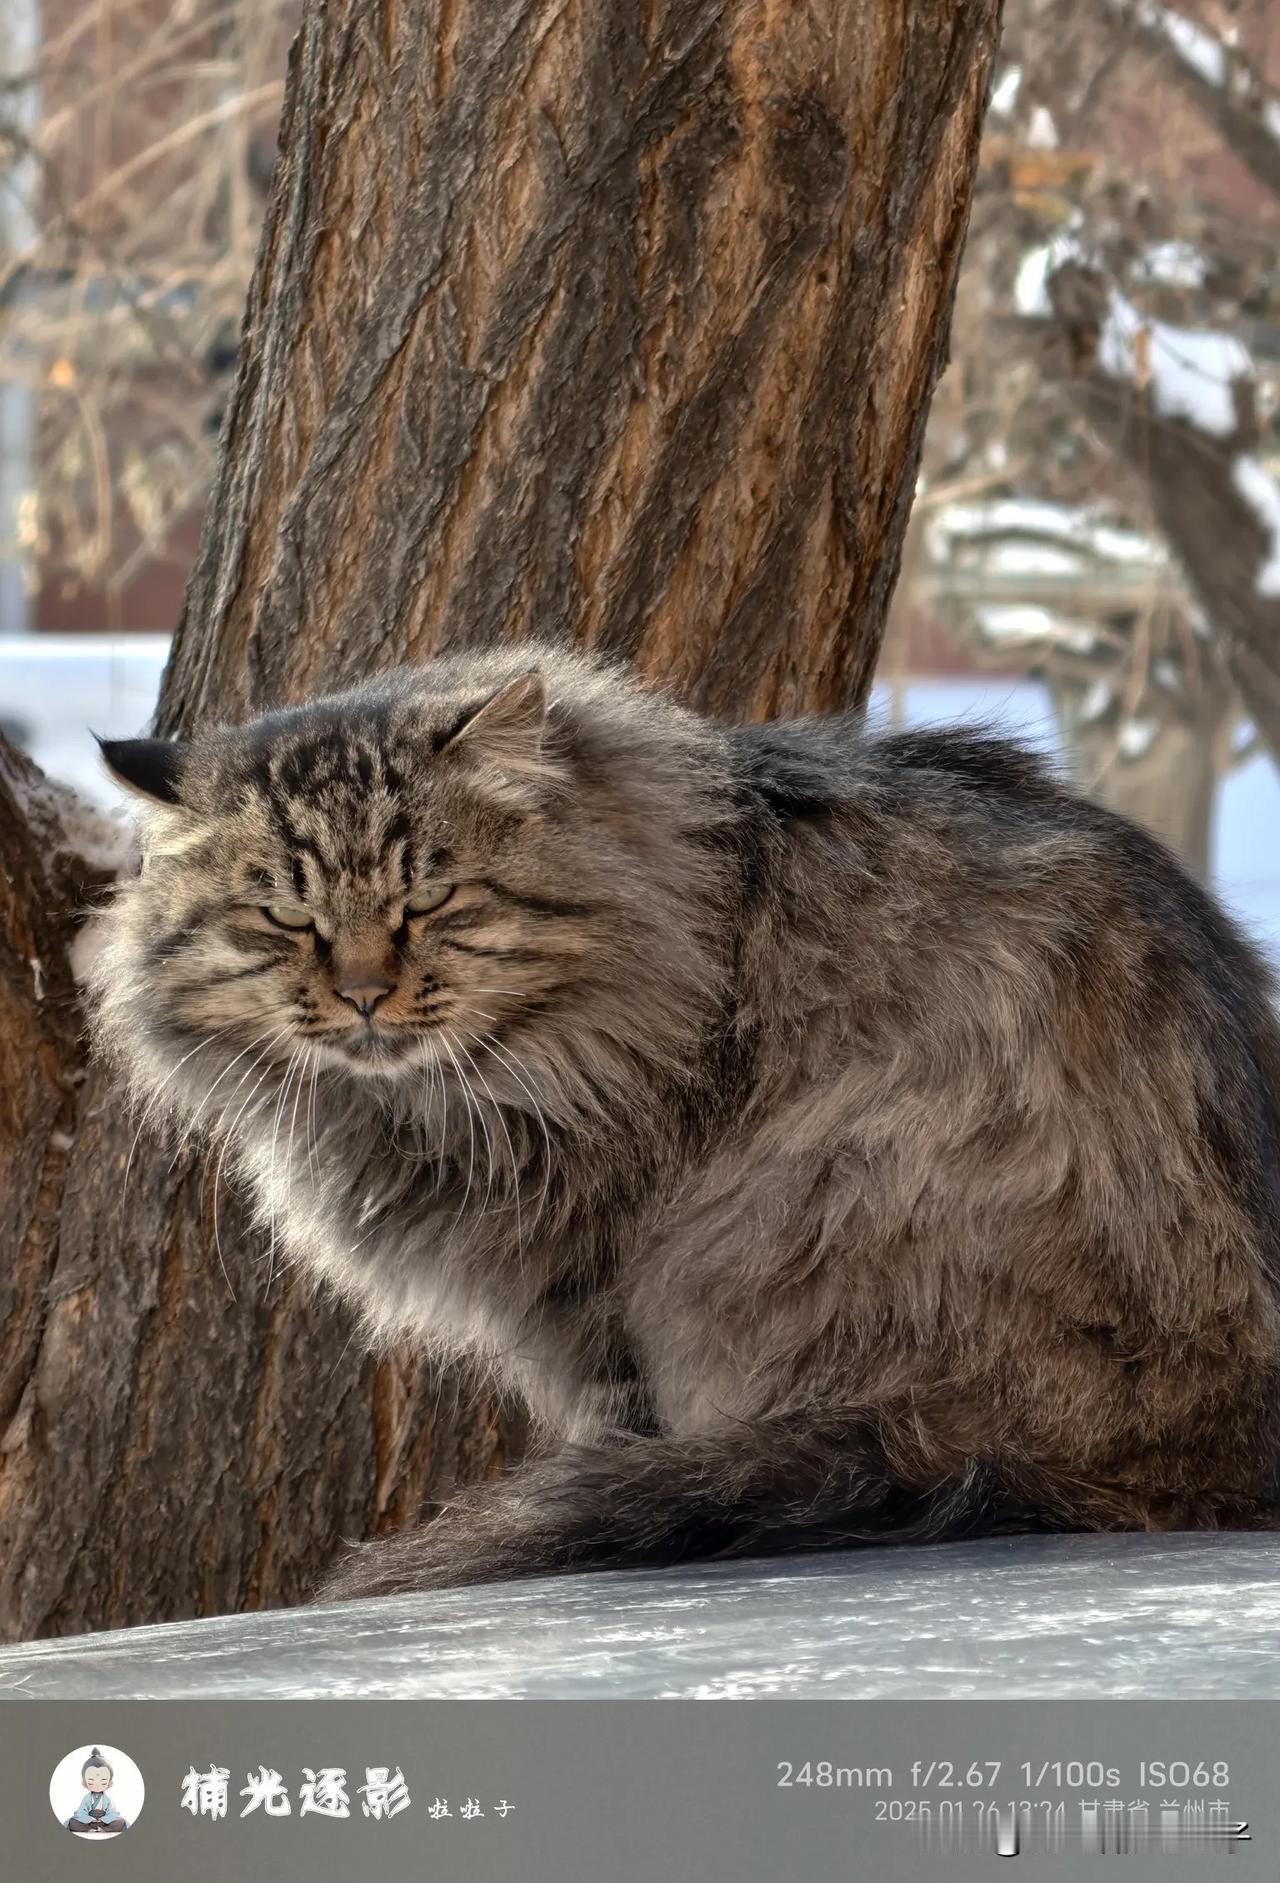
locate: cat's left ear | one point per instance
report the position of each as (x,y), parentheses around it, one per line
(149,768)
(512,719)
(505,739)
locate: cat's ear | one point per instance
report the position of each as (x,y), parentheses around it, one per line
(513,718)
(506,739)
(150,768)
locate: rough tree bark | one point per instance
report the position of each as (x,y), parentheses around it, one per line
(612,323)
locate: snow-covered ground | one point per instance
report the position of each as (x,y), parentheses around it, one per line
(54,688)
(1085,1617)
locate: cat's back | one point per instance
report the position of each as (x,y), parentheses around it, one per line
(996,823)
(973,817)
(961,776)
(960,882)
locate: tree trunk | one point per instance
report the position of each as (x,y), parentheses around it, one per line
(614,324)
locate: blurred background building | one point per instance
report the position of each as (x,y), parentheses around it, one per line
(1094,561)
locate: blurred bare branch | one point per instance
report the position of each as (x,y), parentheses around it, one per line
(135,150)
(1101,501)
(1215,73)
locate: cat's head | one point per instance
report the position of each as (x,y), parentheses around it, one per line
(382,880)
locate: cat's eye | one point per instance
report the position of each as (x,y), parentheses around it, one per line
(287,915)
(431,896)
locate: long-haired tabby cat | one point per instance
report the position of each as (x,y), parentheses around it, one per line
(834,1136)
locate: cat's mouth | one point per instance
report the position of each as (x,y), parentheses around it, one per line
(367,1043)
(372,1046)
(370,1049)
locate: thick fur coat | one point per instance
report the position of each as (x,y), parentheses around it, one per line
(832,1135)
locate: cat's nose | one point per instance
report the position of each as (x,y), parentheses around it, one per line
(364,995)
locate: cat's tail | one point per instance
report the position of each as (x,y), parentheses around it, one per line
(805,1480)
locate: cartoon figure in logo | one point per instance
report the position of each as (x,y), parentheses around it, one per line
(96,1811)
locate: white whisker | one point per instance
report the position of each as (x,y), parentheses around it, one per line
(491,1046)
(313,1146)
(511,1150)
(304,1068)
(275,1133)
(230,1067)
(444,1125)
(149,1112)
(230,1133)
(471,1127)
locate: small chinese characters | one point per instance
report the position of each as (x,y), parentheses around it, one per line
(1114,1825)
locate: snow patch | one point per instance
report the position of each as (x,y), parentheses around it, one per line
(1015,624)
(1196,48)
(65,824)
(1014,558)
(1176,264)
(1084,531)
(1021,626)
(1137,736)
(1042,132)
(105,840)
(1031,283)
(1005,95)
(68,825)
(1096,702)
(1190,373)
(1259,490)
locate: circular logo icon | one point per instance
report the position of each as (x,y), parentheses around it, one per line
(96,1793)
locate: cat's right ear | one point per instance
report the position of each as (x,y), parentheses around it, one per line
(503,742)
(149,768)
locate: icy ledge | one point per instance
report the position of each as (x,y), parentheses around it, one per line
(1113,1616)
